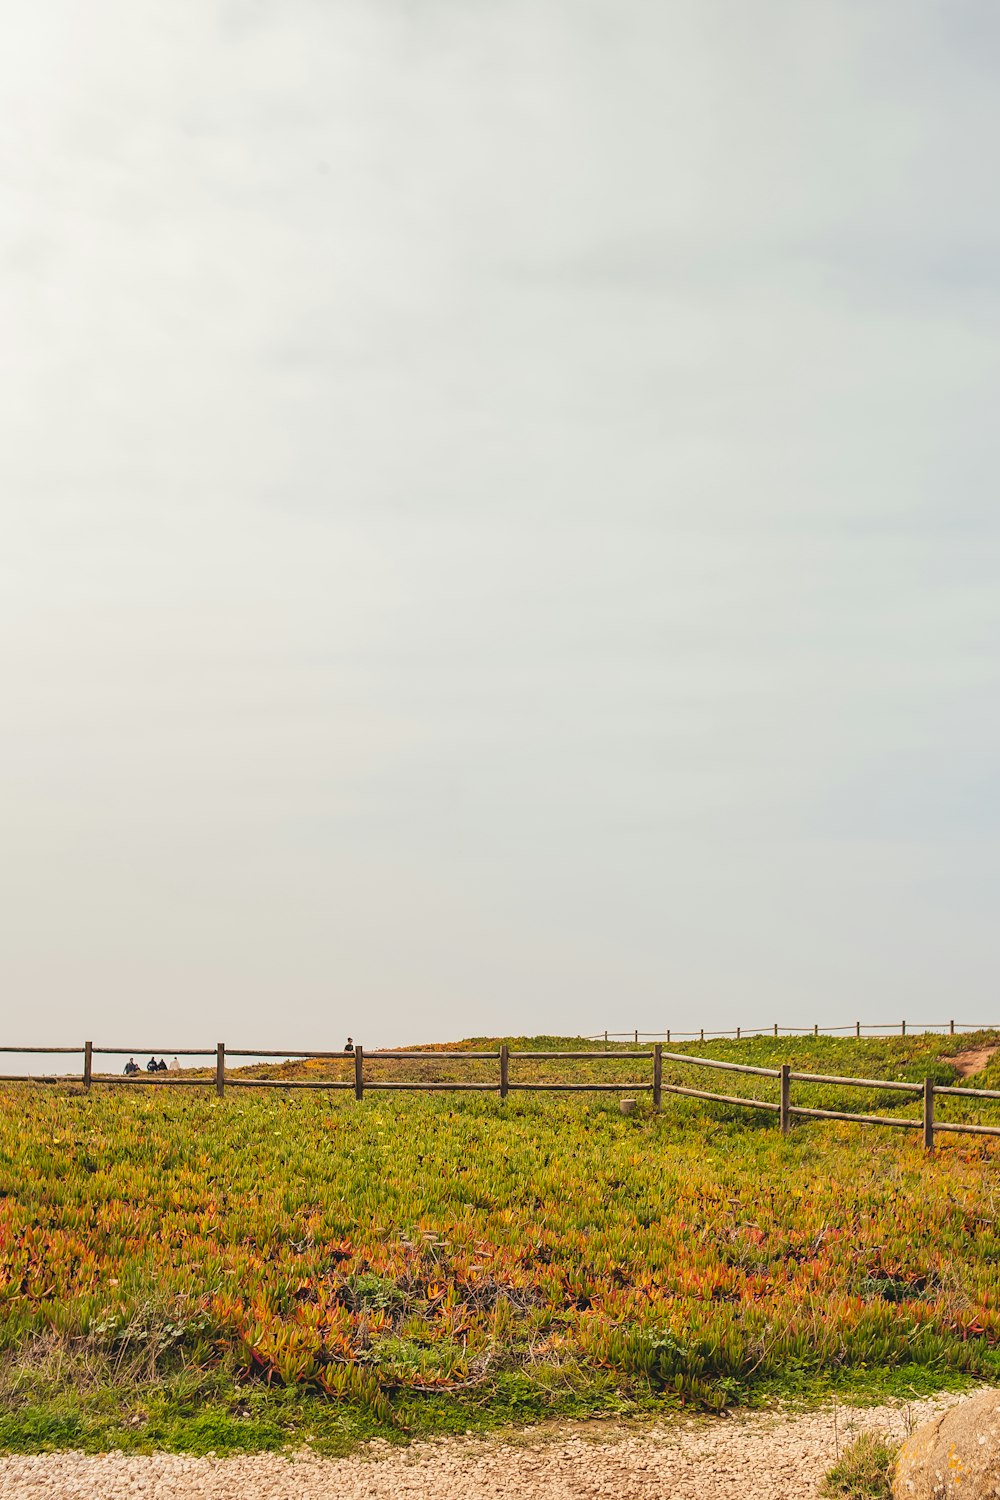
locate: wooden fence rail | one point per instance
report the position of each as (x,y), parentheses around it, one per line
(853,1028)
(214,1072)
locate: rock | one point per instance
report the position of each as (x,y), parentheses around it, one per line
(956,1456)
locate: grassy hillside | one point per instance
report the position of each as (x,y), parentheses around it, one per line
(177,1270)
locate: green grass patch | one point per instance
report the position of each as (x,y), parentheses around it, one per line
(864,1472)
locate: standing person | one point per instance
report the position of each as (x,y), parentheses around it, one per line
(349,1047)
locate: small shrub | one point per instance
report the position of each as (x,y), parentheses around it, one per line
(367,1291)
(864,1472)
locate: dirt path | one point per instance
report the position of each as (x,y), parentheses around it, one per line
(741,1458)
(967,1063)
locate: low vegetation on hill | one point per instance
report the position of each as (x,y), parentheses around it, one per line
(178,1270)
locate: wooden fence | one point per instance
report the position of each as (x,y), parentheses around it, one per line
(855,1028)
(925,1091)
(222,1054)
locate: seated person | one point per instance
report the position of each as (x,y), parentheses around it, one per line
(175,1066)
(349,1047)
(152,1066)
(131,1067)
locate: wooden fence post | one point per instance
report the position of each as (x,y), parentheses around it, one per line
(504,1069)
(928,1114)
(903,1032)
(88,1064)
(637,1039)
(857,1028)
(703,1033)
(605,1039)
(816,1029)
(737,1033)
(657,1074)
(359,1071)
(776,1028)
(951,1028)
(668,1036)
(785,1115)
(220,1068)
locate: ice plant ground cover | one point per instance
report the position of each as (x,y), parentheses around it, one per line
(182,1271)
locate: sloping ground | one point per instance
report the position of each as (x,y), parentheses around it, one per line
(966,1064)
(948,1059)
(745,1458)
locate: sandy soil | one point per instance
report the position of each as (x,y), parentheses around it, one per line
(967,1063)
(737,1458)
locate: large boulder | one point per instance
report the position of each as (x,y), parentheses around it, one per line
(956,1456)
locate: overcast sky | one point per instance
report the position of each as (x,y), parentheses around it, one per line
(499,516)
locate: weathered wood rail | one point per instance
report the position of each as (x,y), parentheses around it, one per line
(869,1029)
(214,1074)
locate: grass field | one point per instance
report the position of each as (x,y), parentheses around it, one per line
(181,1271)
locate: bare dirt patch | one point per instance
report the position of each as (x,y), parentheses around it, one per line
(973,1061)
(748,1457)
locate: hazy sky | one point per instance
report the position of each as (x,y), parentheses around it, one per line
(499,516)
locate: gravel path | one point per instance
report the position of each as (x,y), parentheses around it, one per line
(739,1458)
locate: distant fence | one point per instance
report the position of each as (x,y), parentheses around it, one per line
(502,1083)
(856,1029)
